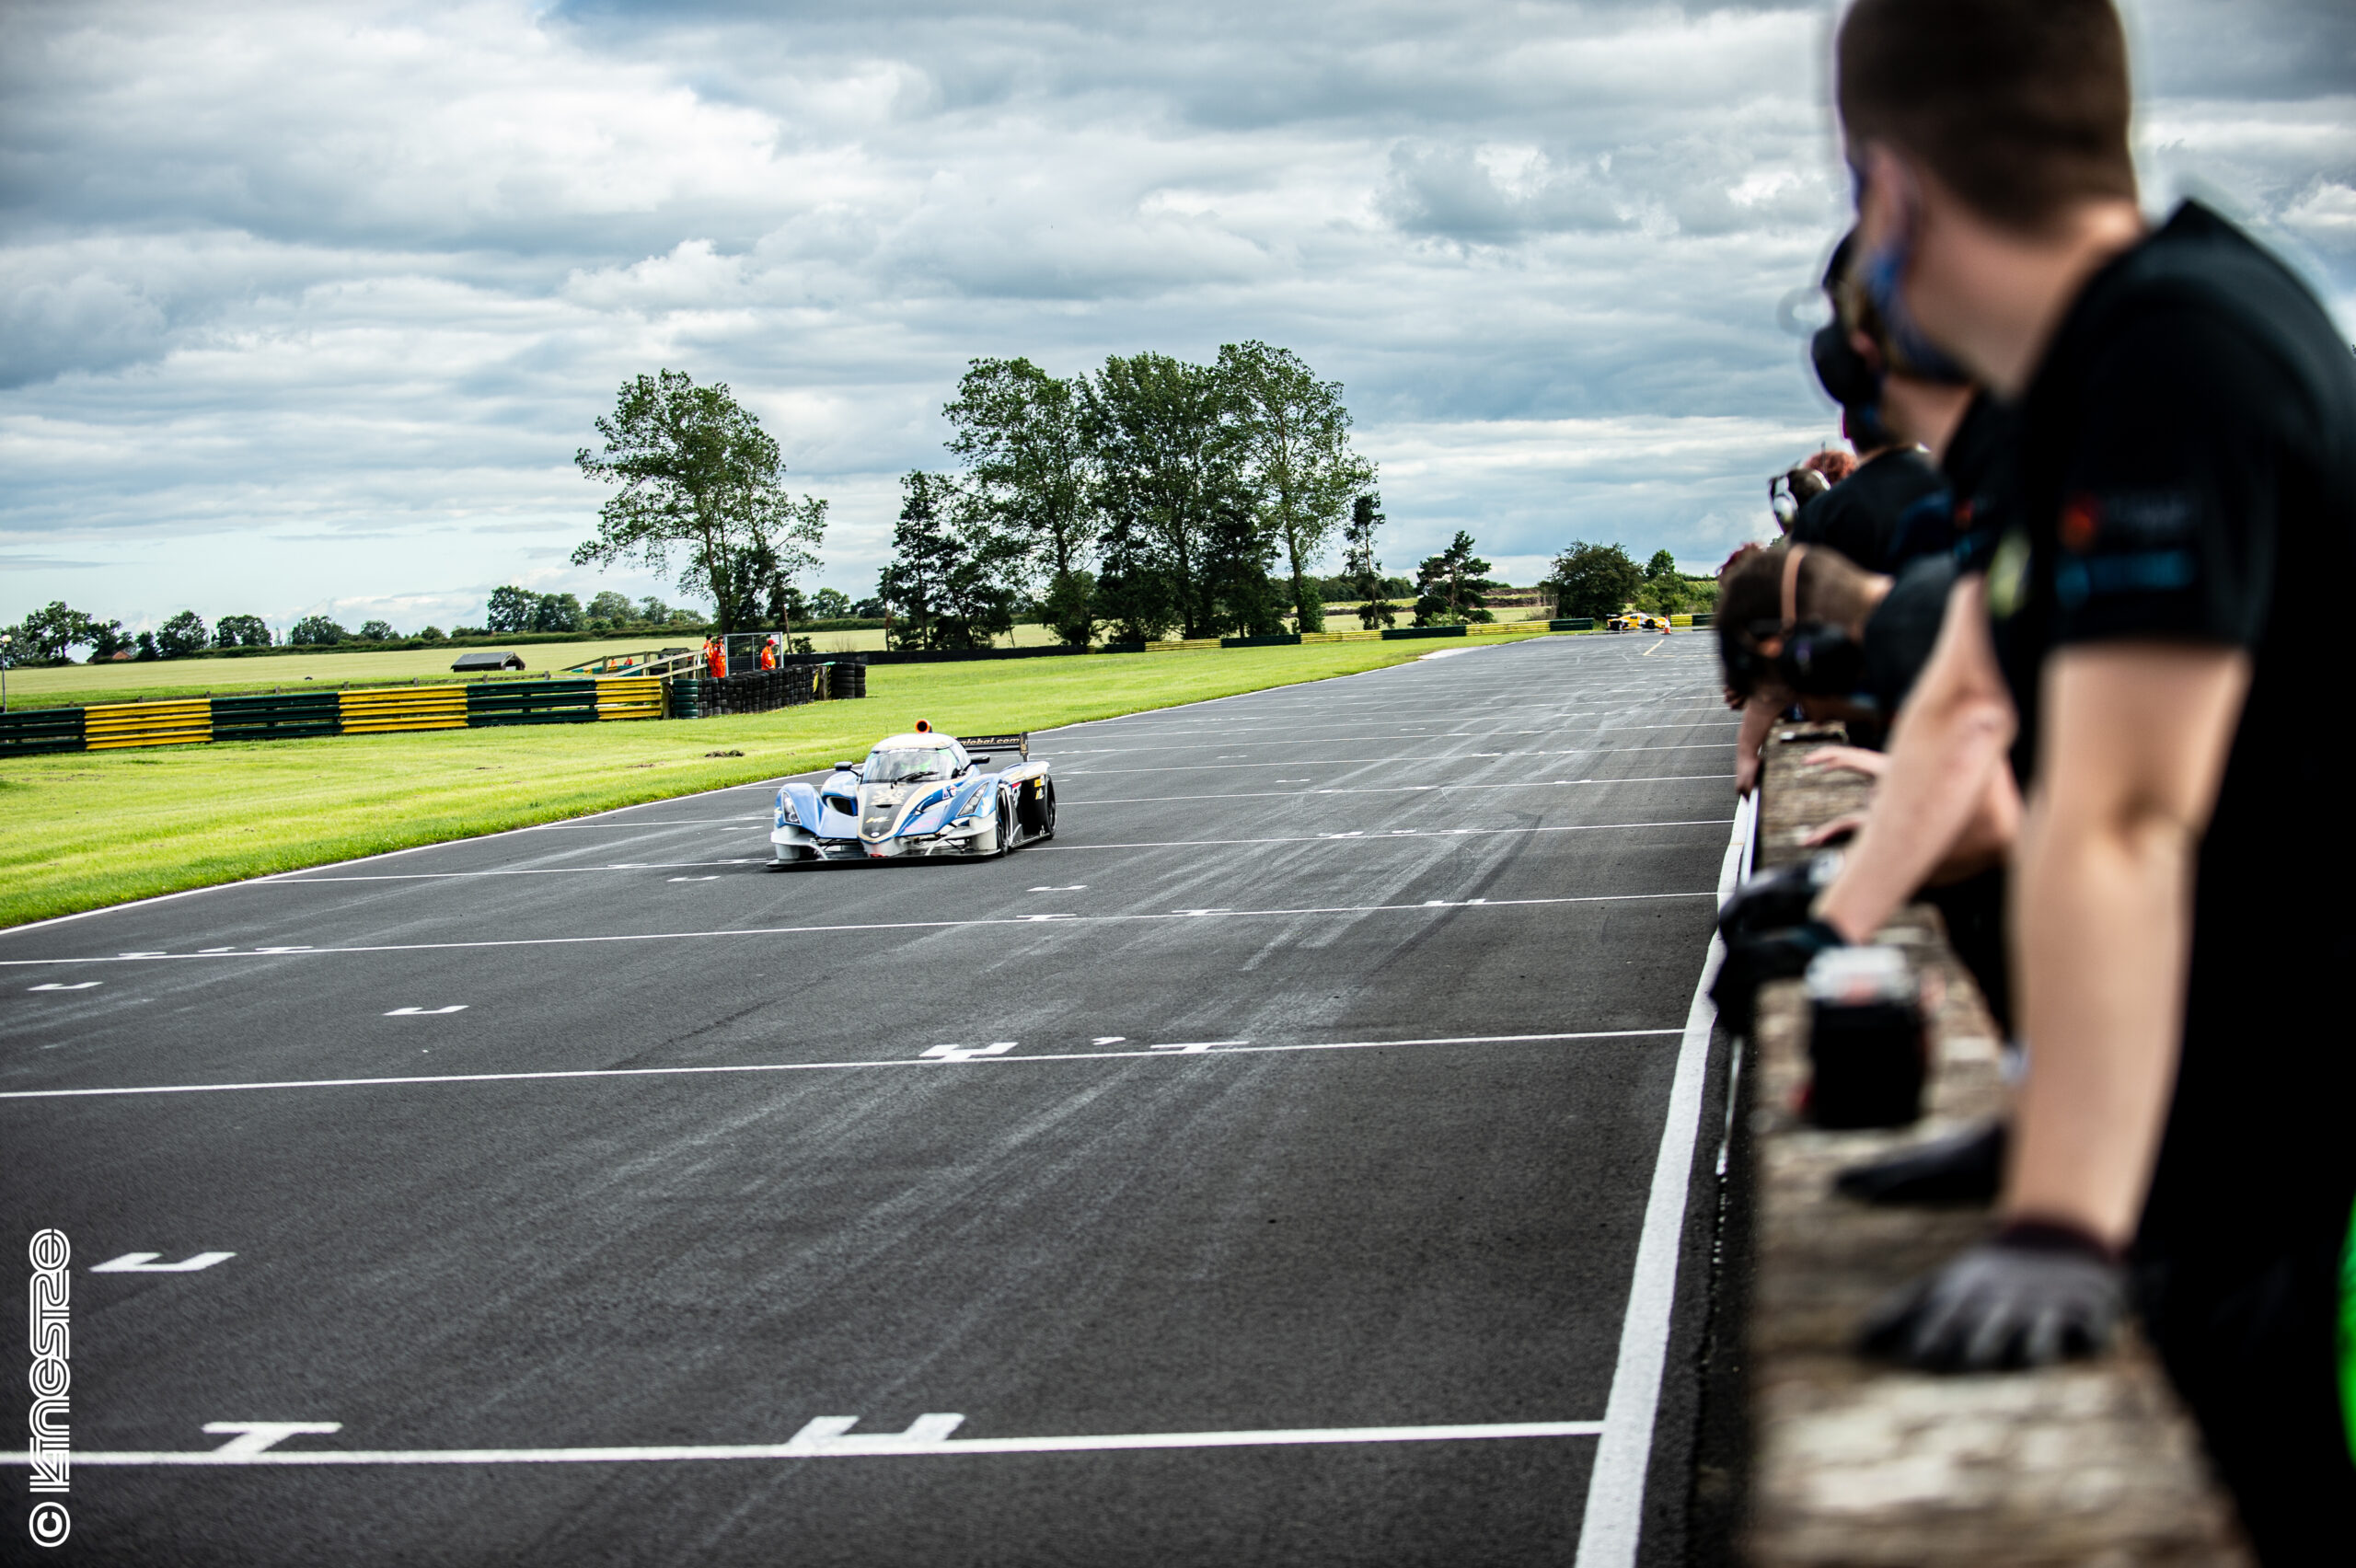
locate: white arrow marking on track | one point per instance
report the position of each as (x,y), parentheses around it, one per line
(967,1053)
(255,1436)
(145,1263)
(426,1012)
(59,986)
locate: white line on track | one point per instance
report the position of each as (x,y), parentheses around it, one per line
(867,926)
(847,1447)
(1143,1054)
(1369,761)
(1385,790)
(1371,836)
(1615,1490)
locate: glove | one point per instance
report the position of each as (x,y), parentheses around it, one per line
(1757,957)
(1772,900)
(2037,1294)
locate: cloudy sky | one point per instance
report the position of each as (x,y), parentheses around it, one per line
(306,307)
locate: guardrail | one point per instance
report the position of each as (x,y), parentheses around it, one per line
(1854,1463)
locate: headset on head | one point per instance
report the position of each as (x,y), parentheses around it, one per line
(1810,658)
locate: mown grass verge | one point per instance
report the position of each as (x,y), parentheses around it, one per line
(84,830)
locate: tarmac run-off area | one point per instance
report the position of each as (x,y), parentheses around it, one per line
(1305,1158)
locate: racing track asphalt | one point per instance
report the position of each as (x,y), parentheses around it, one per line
(1506,856)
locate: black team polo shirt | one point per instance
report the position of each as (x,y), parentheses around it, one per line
(1859,516)
(2186,472)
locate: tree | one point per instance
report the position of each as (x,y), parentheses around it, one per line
(1239,550)
(1293,436)
(698,473)
(146,647)
(1023,439)
(949,569)
(1662,565)
(653,611)
(241,632)
(378,632)
(830,604)
(556,612)
(182,635)
(1069,609)
(433,634)
(612,608)
(1360,571)
(1452,587)
(44,636)
(1593,579)
(1168,465)
(317,631)
(512,608)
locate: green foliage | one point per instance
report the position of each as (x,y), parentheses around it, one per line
(378,631)
(1452,587)
(182,635)
(1027,463)
(1593,579)
(555,612)
(511,608)
(830,604)
(1069,607)
(697,473)
(1291,433)
(241,632)
(317,631)
(1662,565)
(433,634)
(147,649)
(1169,467)
(613,608)
(949,569)
(1362,578)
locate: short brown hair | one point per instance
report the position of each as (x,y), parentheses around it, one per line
(1827,585)
(2020,107)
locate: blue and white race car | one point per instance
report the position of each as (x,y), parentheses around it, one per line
(917,795)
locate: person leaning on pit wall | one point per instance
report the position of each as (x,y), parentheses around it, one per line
(2155,632)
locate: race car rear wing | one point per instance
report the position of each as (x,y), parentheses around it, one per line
(1018,743)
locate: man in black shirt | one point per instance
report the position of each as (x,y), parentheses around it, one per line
(1859,516)
(2164,614)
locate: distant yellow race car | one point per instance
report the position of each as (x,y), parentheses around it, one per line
(1632,622)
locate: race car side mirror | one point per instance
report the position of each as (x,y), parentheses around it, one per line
(979,760)
(846,767)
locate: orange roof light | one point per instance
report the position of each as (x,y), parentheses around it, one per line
(924,726)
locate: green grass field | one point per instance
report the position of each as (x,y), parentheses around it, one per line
(82,830)
(130,681)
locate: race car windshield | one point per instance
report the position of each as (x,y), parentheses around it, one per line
(916,764)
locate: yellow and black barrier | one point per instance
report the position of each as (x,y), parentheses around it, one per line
(401,708)
(115,726)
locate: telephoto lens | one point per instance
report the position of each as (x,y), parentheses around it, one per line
(1866,1041)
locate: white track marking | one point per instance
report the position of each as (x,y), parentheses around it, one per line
(869,926)
(1393,790)
(826,1439)
(1615,1491)
(426,1012)
(1108,1040)
(145,1263)
(927,1061)
(1372,761)
(260,1436)
(63,986)
(1379,834)
(970,1053)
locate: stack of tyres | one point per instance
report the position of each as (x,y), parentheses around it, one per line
(531,702)
(848,680)
(27,731)
(276,716)
(687,696)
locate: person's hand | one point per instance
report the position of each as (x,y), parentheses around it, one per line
(1746,775)
(1851,760)
(1774,900)
(1734,698)
(1838,828)
(1757,957)
(2034,1295)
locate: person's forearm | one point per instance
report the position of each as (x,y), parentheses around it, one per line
(1757,718)
(2101,927)
(1944,754)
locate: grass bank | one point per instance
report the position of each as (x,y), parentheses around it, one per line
(86,829)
